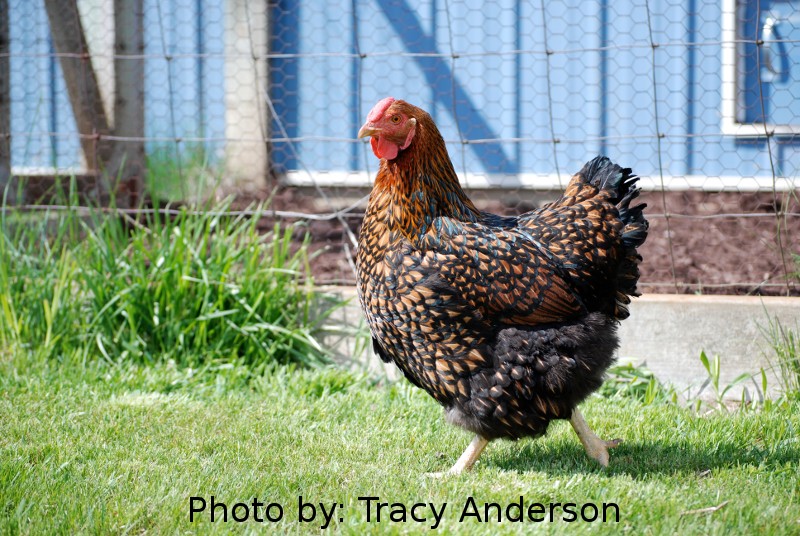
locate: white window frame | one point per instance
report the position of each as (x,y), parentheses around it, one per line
(730,124)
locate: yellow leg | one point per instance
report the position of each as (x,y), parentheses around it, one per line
(467,459)
(596,448)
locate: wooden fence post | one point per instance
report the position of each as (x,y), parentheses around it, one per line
(128,158)
(69,41)
(5,108)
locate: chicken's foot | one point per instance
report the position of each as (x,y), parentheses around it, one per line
(467,459)
(596,448)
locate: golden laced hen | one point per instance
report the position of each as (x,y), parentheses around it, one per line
(508,322)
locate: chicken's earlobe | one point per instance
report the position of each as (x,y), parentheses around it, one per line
(411,132)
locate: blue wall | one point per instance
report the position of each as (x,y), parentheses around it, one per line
(39,102)
(604,94)
(510,79)
(185,96)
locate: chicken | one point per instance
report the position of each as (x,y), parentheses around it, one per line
(508,322)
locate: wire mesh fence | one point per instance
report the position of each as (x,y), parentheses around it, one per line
(174,100)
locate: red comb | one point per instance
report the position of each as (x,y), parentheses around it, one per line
(378,110)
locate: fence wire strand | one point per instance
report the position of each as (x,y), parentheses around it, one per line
(659,152)
(768,136)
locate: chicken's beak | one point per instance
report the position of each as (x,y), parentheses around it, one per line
(369,129)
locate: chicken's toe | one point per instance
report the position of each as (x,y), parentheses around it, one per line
(596,448)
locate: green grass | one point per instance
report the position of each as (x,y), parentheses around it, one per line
(784,341)
(197,289)
(184,173)
(121,449)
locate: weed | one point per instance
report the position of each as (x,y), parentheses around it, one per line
(719,391)
(637,383)
(785,361)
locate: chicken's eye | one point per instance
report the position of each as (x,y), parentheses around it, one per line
(395,119)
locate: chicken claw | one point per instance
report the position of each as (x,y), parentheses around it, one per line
(596,448)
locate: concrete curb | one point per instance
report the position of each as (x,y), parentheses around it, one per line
(667,333)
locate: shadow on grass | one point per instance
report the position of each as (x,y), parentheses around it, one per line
(637,459)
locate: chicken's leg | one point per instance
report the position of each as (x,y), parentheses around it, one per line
(467,459)
(595,447)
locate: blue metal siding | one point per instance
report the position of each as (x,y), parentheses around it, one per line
(530,87)
(185,72)
(493,66)
(42,126)
(284,85)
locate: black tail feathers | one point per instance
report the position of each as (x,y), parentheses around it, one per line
(621,183)
(602,173)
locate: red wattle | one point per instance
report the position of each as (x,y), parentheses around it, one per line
(384,148)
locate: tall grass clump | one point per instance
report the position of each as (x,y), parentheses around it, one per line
(196,288)
(38,307)
(785,359)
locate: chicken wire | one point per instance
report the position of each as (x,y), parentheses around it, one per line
(698,97)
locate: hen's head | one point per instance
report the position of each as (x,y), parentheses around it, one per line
(392,127)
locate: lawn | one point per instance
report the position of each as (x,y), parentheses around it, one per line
(124,449)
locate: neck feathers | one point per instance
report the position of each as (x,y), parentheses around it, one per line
(419,186)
